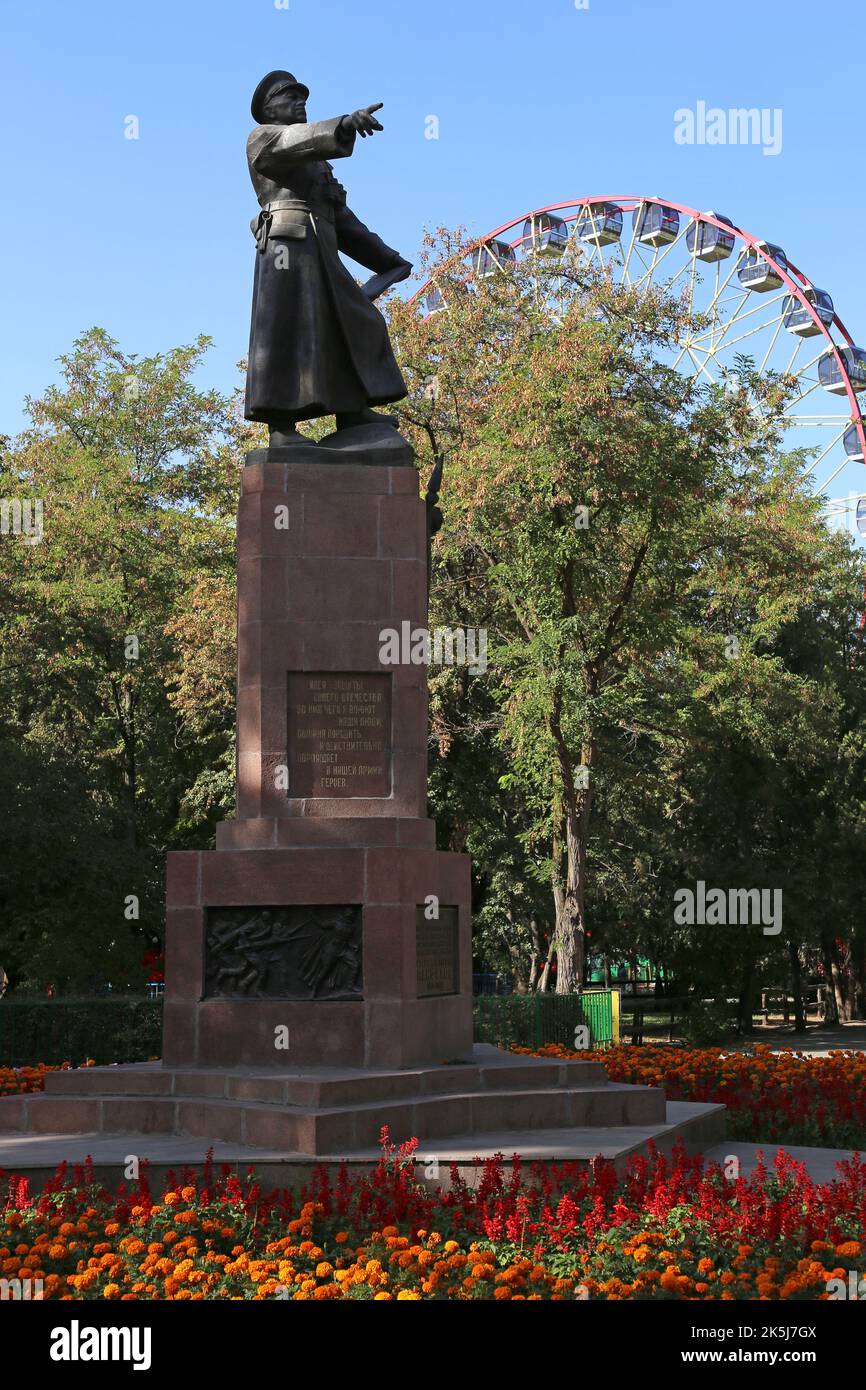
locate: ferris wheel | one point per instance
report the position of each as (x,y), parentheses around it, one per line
(745,298)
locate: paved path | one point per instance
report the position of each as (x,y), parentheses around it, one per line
(819,1039)
(820,1163)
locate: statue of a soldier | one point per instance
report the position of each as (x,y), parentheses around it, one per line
(318,344)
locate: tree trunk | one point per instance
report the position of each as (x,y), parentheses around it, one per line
(832,993)
(544,982)
(797,987)
(571,923)
(858,971)
(535,957)
(838,985)
(745,1001)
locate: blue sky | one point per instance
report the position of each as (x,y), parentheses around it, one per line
(538,102)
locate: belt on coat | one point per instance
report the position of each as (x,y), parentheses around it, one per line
(262,226)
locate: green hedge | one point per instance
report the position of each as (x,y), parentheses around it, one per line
(71,1029)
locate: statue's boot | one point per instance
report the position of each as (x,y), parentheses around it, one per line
(349,418)
(365,436)
(287,438)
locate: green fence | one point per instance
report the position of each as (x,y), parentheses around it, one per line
(74,1030)
(531,1020)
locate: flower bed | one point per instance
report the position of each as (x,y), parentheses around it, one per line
(785,1098)
(663,1230)
(16,1081)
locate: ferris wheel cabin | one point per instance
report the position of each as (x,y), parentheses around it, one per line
(756,272)
(837,369)
(654,224)
(493,257)
(434,301)
(600,223)
(708,242)
(853,443)
(796,316)
(545,234)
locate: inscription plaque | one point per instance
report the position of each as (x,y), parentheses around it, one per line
(339,729)
(437,953)
(283,953)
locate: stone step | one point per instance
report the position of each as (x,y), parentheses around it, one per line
(324,1129)
(326,1087)
(699,1126)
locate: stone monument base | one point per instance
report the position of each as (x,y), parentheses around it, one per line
(332,1111)
(400,995)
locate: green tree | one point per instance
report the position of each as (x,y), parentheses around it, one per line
(137,475)
(612,524)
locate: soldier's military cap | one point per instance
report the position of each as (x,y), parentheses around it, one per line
(274,82)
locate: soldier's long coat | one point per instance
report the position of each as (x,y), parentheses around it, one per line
(317,344)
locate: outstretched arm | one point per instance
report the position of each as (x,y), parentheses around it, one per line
(273,150)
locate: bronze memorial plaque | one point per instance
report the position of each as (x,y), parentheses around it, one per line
(339,734)
(283,953)
(437,953)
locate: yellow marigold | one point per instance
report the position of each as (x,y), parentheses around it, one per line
(111,1291)
(378,1296)
(408,1295)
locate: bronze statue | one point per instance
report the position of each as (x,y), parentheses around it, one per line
(318,344)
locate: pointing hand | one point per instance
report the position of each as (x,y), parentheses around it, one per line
(363,121)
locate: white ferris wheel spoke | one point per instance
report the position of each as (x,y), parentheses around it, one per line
(625,278)
(765,359)
(739,317)
(823,454)
(657,259)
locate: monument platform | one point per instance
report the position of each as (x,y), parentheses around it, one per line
(699,1127)
(316,1111)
